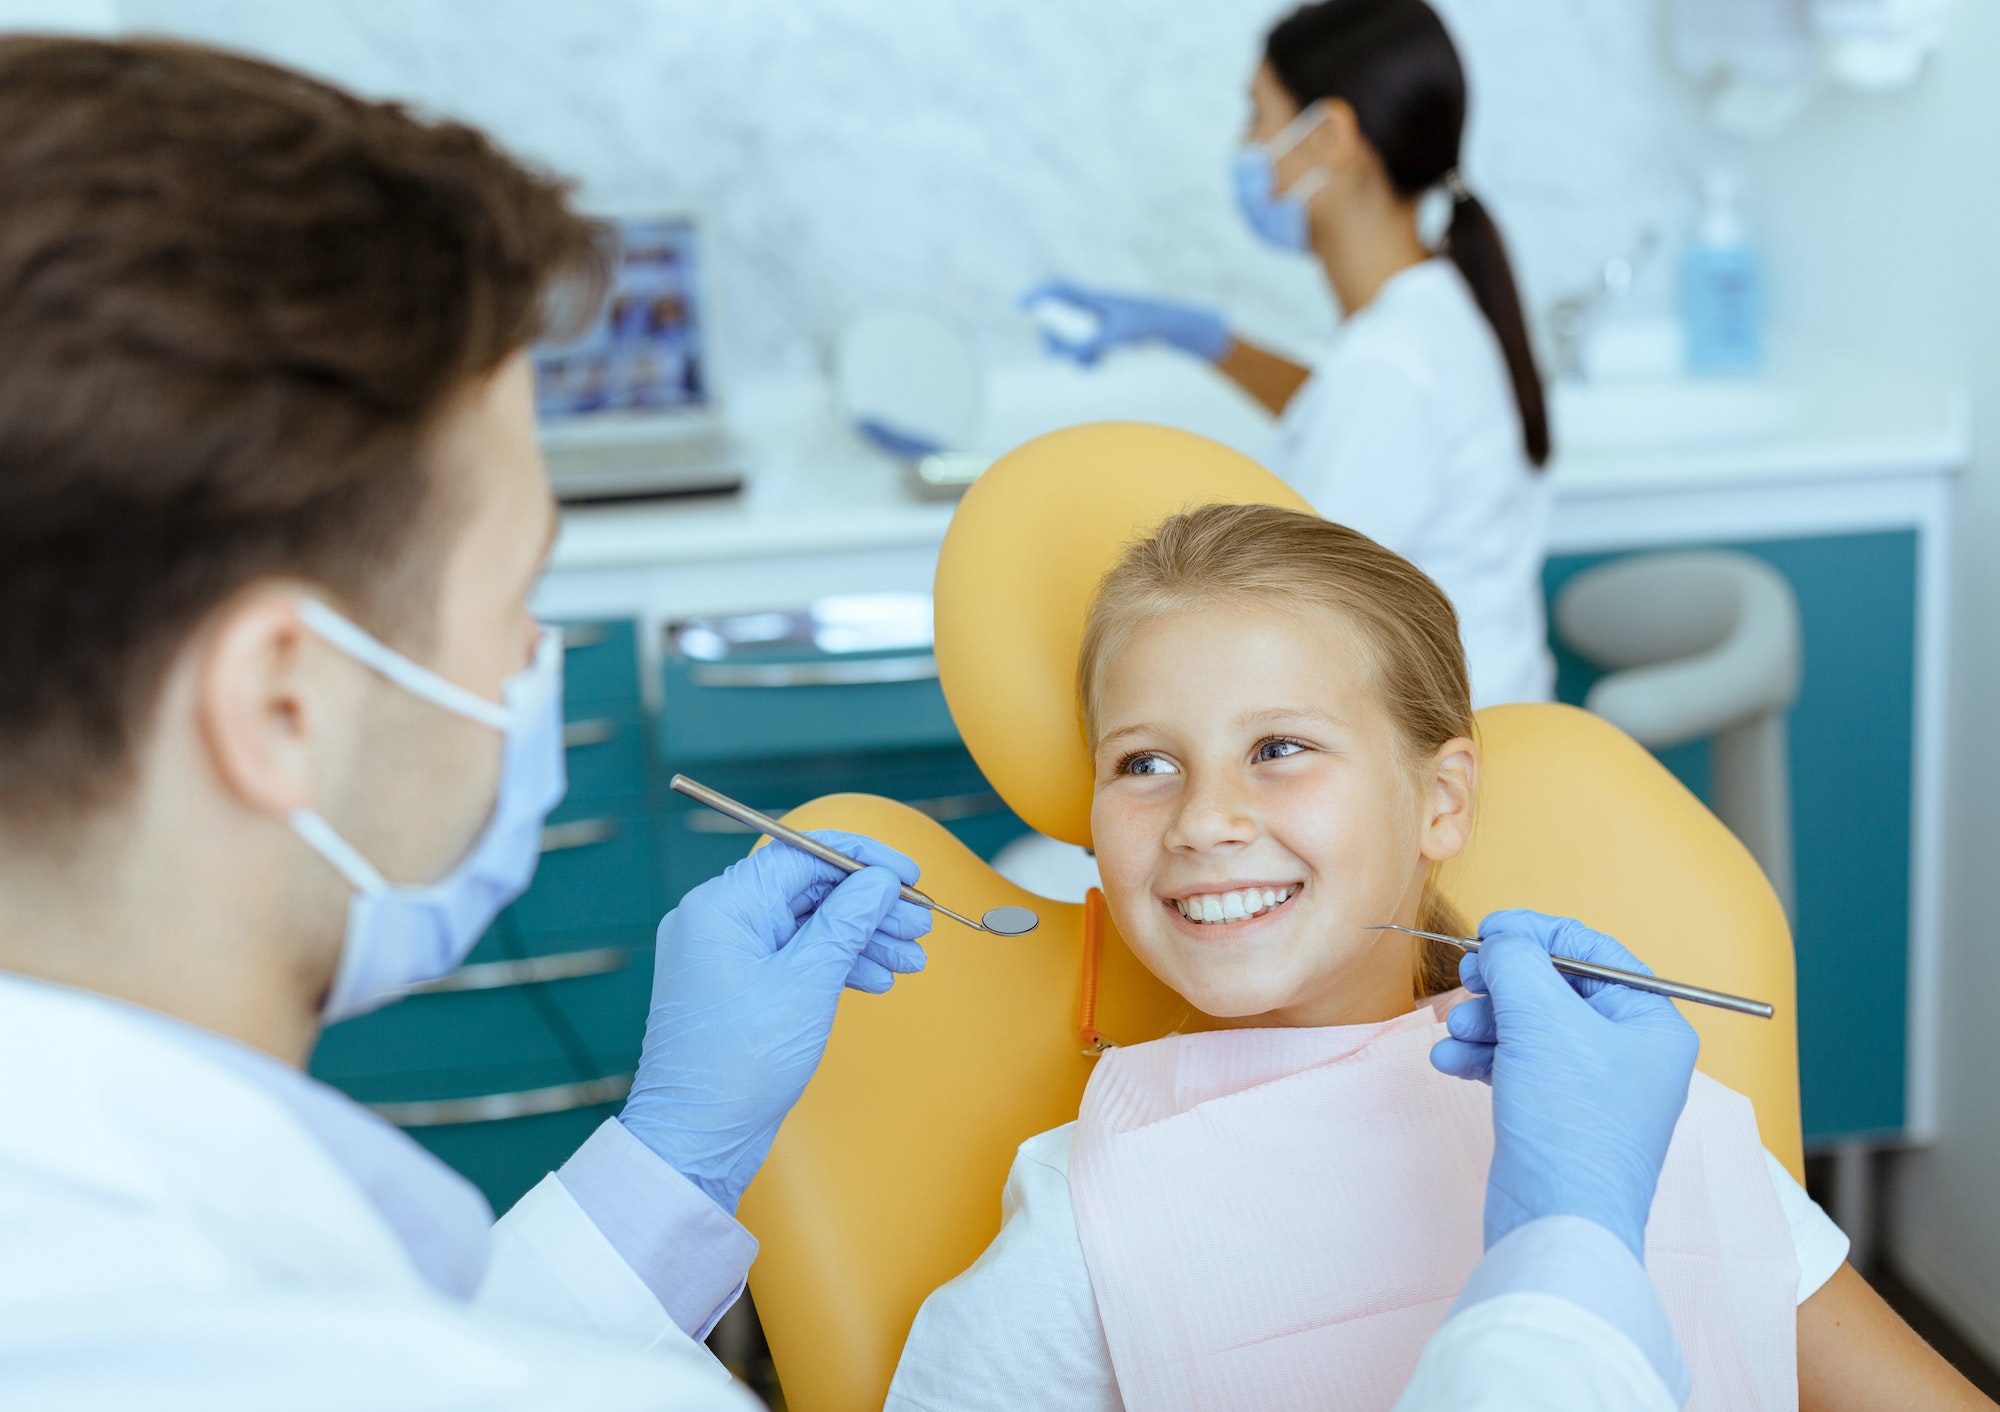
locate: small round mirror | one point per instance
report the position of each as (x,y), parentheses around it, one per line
(1010,921)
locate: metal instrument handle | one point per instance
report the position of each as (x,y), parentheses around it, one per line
(945,809)
(805,843)
(1590,970)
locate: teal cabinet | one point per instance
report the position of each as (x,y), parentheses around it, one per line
(1852,769)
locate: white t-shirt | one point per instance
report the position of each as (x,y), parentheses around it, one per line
(1408,432)
(1020,1327)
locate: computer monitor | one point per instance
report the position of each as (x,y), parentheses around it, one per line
(628,409)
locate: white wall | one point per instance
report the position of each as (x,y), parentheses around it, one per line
(850,150)
(66,16)
(1882,216)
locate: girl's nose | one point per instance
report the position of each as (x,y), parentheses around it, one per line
(1211,815)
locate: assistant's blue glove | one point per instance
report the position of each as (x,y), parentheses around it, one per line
(747,974)
(1121,320)
(1589,1077)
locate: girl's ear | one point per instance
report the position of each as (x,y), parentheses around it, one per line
(1451,787)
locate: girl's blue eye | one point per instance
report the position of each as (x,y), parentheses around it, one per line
(1278,749)
(1147,765)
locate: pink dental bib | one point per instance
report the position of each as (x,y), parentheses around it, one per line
(1282,1218)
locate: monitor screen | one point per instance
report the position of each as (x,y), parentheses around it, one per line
(645,351)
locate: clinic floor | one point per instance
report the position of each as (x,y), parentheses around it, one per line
(740,1343)
(1918,1314)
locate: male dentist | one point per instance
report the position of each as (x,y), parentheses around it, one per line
(277,736)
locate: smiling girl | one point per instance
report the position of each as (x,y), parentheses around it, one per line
(1278,1207)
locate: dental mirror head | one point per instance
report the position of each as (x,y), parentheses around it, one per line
(1010,921)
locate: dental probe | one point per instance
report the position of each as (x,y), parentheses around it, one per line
(999,921)
(1677,990)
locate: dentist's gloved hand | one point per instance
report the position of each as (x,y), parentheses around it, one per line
(1588,1077)
(747,974)
(1122,320)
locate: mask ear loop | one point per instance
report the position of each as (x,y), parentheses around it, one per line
(418,680)
(1314,180)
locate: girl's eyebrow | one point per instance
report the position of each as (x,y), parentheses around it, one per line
(1123,731)
(1274,714)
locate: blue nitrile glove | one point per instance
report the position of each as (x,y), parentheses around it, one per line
(747,973)
(1121,320)
(1588,1077)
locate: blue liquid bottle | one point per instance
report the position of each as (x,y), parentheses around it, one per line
(1722,288)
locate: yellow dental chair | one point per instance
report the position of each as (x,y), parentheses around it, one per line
(885,1181)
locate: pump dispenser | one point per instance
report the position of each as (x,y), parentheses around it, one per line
(1722,288)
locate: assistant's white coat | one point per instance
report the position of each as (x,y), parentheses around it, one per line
(1408,431)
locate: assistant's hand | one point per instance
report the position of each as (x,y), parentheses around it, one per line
(747,974)
(1122,320)
(1589,1077)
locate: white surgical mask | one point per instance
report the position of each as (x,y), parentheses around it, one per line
(401,935)
(1278,217)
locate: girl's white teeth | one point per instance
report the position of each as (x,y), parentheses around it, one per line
(1232,906)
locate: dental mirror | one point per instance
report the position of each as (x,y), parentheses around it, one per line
(1010,921)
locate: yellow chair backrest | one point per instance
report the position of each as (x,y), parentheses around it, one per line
(886,1180)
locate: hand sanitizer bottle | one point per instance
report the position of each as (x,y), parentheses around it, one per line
(1722,290)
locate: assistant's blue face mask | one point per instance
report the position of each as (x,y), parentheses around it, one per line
(400,935)
(1279,218)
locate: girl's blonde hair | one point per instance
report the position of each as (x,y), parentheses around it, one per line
(1399,620)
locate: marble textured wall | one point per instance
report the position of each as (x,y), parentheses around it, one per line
(846,151)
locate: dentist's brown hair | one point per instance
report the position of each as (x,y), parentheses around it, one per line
(1399,619)
(234,302)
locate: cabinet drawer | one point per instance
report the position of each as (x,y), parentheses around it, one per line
(439,1045)
(816,706)
(600,665)
(605,753)
(598,872)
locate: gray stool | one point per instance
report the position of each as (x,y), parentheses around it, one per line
(1701,643)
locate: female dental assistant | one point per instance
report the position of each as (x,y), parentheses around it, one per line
(1424,427)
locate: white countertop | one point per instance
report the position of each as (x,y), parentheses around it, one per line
(814,487)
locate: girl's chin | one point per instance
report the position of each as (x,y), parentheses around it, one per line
(1239,1002)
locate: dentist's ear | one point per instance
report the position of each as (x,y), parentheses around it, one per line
(1451,780)
(268,697)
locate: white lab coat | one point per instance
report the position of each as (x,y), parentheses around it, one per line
(172,1237)
(1408,432)
(1533,1353)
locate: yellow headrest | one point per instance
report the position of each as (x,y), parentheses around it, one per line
(1020,562)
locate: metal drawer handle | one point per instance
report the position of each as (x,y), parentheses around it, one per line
(580,833)
(591,732)
(498,1107)
(867,671)
(577,635)
(531,970)
(946,809)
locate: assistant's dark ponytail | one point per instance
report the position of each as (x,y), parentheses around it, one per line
(1394,64)
(1474,244)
